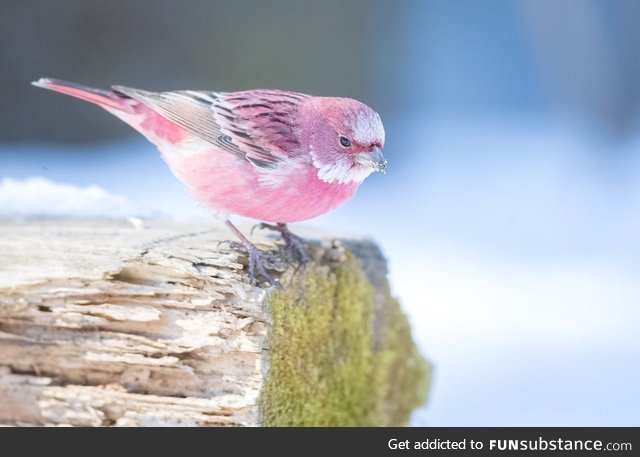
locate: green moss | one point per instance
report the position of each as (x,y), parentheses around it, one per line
(327,365)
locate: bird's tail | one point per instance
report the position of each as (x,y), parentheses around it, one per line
(104,98)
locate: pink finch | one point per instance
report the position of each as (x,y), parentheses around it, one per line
(269,155)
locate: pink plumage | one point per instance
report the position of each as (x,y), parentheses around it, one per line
(265,154)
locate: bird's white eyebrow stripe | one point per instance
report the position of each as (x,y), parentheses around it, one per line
(367,129)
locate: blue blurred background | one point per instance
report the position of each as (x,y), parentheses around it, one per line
(511,211)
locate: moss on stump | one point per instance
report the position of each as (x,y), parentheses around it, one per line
(340,353)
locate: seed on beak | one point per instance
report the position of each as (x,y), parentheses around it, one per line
(373,159)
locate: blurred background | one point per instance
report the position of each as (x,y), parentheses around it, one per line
(510,214)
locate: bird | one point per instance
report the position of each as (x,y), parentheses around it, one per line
(272,155)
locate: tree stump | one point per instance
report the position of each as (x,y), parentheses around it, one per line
(149,323)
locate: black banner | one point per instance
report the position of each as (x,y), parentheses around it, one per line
(323,441)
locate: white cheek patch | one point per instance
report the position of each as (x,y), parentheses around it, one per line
(342,172)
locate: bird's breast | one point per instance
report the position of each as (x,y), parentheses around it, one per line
(304,196)
(230,184)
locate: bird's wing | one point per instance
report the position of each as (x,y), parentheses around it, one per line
(256,125)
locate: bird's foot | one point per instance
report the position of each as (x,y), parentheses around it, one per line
(259,262)
(294,244)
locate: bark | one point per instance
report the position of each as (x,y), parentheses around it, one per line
(132,323)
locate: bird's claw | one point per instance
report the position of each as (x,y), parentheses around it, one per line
(257,261)
(264,226)
(294,245)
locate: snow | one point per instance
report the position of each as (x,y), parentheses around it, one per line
(38,196)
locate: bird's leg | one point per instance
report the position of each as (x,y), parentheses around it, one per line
(294,243)
(255,258)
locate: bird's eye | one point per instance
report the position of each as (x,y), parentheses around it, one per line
(344,141)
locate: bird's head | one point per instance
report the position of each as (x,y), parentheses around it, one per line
(344,137)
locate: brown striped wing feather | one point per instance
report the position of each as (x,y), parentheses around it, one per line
(257,125)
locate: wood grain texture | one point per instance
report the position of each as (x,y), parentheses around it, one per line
(153,323)
(126,323)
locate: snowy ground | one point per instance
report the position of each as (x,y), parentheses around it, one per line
(514,246)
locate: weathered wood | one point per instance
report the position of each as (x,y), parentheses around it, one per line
(130,323)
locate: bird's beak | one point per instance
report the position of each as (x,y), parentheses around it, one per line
(373,159)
